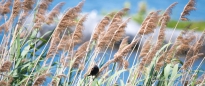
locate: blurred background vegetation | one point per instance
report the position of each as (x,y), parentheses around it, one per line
(142,12)
(140,8)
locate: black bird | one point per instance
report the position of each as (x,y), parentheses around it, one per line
(94,71)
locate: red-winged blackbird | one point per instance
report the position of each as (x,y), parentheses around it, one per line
(94,71)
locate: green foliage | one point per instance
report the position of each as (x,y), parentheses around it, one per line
(142,12)
(197,25)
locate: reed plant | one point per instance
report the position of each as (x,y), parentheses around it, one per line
(60,58)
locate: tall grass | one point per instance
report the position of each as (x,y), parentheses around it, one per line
(63,59)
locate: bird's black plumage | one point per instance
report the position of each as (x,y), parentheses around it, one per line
(94,71)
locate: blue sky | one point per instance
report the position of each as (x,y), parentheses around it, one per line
(111,5)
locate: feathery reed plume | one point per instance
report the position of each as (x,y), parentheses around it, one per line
(71,40)
(8,82)
(189,7)
(27,5)
(64,43)
(160,61)
(118,57)
(101,26)
(69,17)
(166,14)
(171,52)
(117,18)
(15,11)
(113,27)
(3,83)
(190,53)
(54,12)
(145,48)
(78,57)
(72,62)
(43,6)
(23,34)
(147,58)
(123,43)
(81,66)
(105,39)
(81,51)
(150,23)
(191,61)
(125,50)
(159,43)
(1,28)
(196,47)
(5,66)
(125,64)
(67,20)
(52,49)
(5,8)
(40,15)
(199,44)
(184,46)
(1,6)
(41,79)
(77,35)
(101,36)
(5,26)
(141,65)
(120,32)
(16,8)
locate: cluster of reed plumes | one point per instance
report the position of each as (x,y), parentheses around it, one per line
(63,59)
